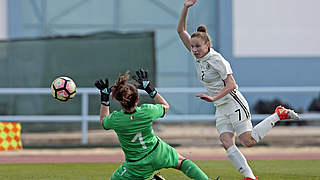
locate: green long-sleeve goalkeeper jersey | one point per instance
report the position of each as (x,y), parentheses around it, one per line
(134,130)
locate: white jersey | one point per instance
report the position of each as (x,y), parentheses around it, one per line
(212,70)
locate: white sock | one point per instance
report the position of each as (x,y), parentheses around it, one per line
(261,129)
(238,160)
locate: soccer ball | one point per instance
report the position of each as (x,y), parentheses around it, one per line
(63,89)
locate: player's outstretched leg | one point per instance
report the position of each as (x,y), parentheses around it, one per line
(239,161)
(192,170)
(281,113)
(159,177)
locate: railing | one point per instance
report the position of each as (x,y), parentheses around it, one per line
(85,117)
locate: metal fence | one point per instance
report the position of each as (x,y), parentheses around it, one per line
(84,117)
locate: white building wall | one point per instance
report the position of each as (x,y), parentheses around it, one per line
(276,28)
(3,20)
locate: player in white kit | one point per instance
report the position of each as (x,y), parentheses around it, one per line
(232,110)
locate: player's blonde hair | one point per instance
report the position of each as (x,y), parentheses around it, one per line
(125,92)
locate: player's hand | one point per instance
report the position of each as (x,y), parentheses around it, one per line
(142,78)
(205,97)
(189,3)
(105,91)
(144,83)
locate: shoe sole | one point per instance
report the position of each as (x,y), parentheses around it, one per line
(293,115)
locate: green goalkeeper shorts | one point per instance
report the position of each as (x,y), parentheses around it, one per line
(164,156)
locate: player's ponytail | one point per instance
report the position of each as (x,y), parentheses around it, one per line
(124,92)
(202,28)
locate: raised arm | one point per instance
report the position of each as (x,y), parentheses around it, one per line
(144,83)
(104,111)
(230,86)
(160,100)
(181,28)
(103,87)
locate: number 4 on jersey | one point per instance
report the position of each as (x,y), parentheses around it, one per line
(139,135)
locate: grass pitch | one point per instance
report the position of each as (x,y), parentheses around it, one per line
(265,169)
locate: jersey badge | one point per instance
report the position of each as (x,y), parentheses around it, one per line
(207,66)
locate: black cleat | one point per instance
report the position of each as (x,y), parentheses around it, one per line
(157,177)
(218,178)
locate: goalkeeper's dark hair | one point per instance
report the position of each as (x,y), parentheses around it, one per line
(126,93)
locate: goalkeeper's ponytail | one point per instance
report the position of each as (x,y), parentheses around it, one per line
(124,92)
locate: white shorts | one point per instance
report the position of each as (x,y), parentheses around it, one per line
(234,116)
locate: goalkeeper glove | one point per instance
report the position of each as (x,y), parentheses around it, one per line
(144,83)
(105,91)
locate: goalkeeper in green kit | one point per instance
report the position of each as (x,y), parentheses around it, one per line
(144,152)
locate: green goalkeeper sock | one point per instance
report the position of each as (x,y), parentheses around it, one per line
(192,170)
